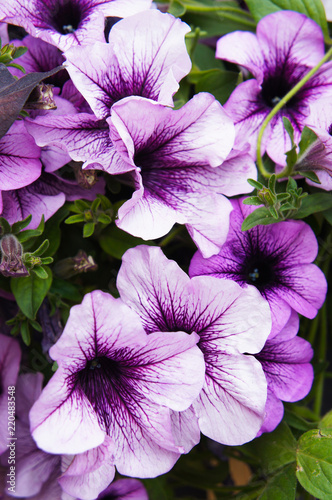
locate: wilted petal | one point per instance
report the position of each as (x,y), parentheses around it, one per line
(145,56)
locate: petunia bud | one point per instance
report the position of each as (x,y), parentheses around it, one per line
(41,98)
(81,263)
(12,254)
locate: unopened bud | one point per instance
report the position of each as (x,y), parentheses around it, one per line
(86,179)
(12,254)
(41,98)
(81,263)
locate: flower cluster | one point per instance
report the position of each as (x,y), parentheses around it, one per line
(164,347)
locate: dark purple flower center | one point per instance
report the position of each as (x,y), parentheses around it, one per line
(67,17)
(274,88)
(100,381)
(259,273)
(330,129)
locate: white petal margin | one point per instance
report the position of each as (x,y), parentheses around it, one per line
(62,422)
(88,474)
(231,406)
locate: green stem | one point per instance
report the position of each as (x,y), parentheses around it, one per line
(170,236)
(231,13)
(277,108)
(322,356)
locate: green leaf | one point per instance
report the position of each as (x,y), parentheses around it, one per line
(25,332)
(104,218)
(255,184)
(310,175)
(311,8)
(40,272)
(30,292)
(217,82)
(65,290)
(116,242)
(5,226)
(273,450)
(314,463)
(281,486)
(289,128)
(326,422)
(18,226)
(328,215)
(73,219)
(53,232)
(41,249)
(313,203)
(176,8)
(297,422)
(88,229)
(260,216)
(308,137)
(252,200)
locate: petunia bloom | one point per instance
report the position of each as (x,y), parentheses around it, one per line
(116,382)
(285,360)
(229,320)
(146,55)
(286,46)
(173,157)
(276,259)
(125,489)
(66,23)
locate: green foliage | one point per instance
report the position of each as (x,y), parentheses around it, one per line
(98,212)
(116,242)
(280,486)
(314,463)
(311,8)
(278,206)
(30,292)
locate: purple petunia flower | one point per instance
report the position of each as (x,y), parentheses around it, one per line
(285,360)
(229,320)
(146,56)
(287,45)
(276,259)
(10,357)
(116,383)
(66,23)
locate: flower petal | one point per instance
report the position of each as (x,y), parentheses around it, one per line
(230,408)
(146,56)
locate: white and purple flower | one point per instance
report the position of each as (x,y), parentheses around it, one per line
(66,23)
(231,323)
(276,259)
(118,384)
(286,46)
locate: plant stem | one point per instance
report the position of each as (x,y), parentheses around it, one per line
(277,108)
(231,13)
